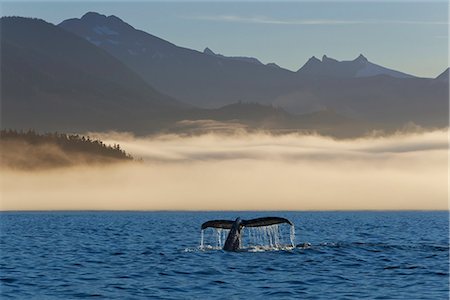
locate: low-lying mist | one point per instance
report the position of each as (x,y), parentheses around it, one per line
(245,171)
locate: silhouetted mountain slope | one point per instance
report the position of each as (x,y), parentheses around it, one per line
(252,60)
(381,100)
(443,76)
(241,58)
(52,79)
(358,88)
(198,78)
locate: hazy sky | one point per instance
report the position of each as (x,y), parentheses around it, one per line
(408,36)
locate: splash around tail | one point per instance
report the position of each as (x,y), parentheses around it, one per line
(233,241)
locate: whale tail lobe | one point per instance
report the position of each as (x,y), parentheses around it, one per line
(267,221)
(224,224)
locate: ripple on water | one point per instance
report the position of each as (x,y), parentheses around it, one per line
(140,255)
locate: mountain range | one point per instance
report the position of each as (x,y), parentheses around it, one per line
(357,88)
(99,73)
(357,68)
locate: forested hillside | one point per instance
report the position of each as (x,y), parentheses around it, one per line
(31,150)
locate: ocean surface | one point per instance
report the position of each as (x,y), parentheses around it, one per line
(143,255)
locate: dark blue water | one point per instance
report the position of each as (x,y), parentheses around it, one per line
(134,255)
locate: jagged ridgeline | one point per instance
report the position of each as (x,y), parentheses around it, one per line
(32,150)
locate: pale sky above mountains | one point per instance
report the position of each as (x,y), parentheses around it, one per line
(408,36)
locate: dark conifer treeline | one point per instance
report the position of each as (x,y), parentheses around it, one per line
(69,143)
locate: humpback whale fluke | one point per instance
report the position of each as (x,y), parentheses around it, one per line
(233,242)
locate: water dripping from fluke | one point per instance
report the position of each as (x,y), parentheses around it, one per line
(260,234)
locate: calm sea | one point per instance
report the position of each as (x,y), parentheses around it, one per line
(142,255)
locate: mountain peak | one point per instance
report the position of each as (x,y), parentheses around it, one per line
(326,59)
(98,28)
(273,65)
(313,59)
(95,17)
(208,51)
(91,15)
(361,58)
(310,64)
(444,75)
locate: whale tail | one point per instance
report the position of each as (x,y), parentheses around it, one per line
(233,242)
(258,222)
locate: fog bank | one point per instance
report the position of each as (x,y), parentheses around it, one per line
(246,172)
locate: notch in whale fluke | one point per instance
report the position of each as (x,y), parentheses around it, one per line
(258,222)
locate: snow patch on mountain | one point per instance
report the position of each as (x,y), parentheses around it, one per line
(371,69)
(104,30)
(114,42)
(93,41)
